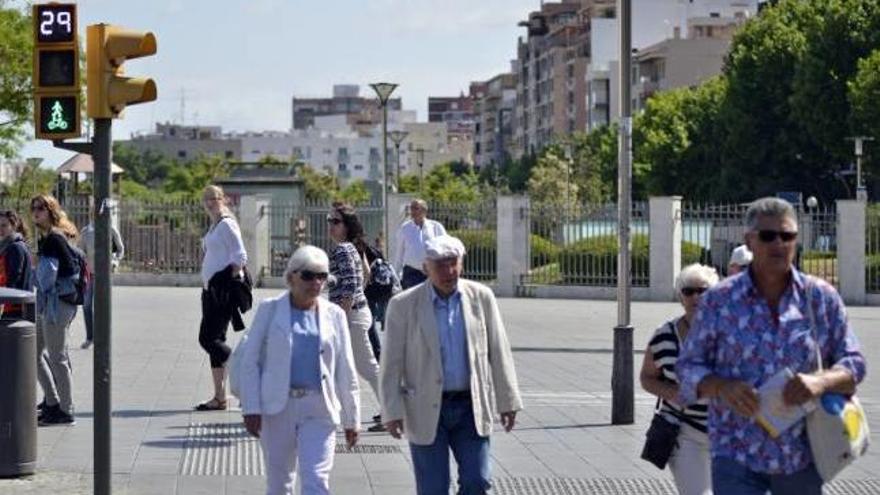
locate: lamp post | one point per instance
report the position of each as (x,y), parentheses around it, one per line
(398,137)
(383,92)
(420,154)
(859,142)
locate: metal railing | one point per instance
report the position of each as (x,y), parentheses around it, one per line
(578,245)
(872,249)
(817,243)
(475,224)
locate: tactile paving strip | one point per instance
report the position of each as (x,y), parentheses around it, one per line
(607,486)
(226,449)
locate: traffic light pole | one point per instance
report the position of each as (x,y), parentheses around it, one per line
(101,308)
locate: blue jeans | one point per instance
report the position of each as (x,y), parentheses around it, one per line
(732,478)
(88,306)
(456,431)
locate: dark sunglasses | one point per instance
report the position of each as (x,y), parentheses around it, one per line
(38,207)
(771,235)
(334,221)
(309,275)
(690,291)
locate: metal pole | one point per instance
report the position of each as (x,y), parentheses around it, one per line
(385,233)
(101,311)
(622,385)
(397,148)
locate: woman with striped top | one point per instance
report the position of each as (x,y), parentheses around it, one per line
(690,462)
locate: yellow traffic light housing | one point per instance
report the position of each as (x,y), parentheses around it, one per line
(56,78)
(107,49)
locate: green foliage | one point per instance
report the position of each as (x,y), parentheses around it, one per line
(148,167)
(16,46)
(318,186)
(355,193)
(481,246)
(595,164)
(190,179)
(409,184)
(864,96)
(551,180)
(444,186)
(33,180)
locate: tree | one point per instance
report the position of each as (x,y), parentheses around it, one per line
(355,193)
(32,181)
(442,185)
(16,46)
(864,97)
(594,164)
(409,184)
(146,167)
(551,181)
(318,186)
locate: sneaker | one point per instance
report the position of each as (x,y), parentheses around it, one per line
(86,344)
(41,405)
(56,417)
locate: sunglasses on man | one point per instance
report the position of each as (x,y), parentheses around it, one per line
(308,275)
(690,291)
(769,236)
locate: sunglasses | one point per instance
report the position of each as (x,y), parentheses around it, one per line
(334,220)
(308,275)
(771,235)
(38,208)
(690,291)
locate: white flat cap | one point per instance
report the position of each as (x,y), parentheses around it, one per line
(741,256)
(443,246)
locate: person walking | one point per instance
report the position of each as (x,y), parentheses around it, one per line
(411,237)
(55,281)
(740,258)
(446,357)
(224,258)
(298,380)
(15,253)
(689,462)
(750,328)
(350,270)
(87,244)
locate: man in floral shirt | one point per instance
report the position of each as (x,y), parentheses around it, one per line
(750,327)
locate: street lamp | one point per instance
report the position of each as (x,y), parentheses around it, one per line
(383,91)
(859,141)
(420,154)
(398,137)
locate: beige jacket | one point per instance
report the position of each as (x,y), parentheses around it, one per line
(411,376)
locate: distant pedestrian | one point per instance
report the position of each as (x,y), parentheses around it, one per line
(749,329)
(350,271)
(87,244)
(740,258)
(447,370)
(298,380)
(689,460)
(409,258)
(380,287)
(224,259)
(17,270)
(56,283)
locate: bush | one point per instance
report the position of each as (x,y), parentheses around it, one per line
(818,255)
(482,256)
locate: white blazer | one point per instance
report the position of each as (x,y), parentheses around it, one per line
(265,362)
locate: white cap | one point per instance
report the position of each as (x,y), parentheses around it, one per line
(741,256)
(442,247)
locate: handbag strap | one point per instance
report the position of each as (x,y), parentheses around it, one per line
(814,330)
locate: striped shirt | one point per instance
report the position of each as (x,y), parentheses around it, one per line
(665,346)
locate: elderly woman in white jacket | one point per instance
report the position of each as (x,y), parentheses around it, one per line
(297,379)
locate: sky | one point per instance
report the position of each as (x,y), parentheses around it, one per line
(238,63)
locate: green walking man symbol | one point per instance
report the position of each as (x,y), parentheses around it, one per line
(57,121)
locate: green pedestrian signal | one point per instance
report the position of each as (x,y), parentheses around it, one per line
(58,116)
(57,121)
(56,75)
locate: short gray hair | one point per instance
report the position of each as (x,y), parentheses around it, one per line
(768,207)
(421,202)
(307,258)
(696,273)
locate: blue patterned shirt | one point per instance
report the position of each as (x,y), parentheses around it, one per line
(453,341)
(347,267)
(736,335)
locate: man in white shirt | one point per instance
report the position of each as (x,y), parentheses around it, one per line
(409,256)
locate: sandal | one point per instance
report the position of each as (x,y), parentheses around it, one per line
(214,404)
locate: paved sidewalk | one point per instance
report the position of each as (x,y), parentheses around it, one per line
(563,443)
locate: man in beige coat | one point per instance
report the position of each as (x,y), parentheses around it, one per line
(446,356)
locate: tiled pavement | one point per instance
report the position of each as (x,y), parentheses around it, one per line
(563,442)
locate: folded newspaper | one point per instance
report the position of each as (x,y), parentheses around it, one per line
(775,415)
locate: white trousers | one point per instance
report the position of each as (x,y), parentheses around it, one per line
(359,322)
(302,434)
(691,463)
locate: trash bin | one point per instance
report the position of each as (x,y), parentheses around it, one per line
(18,387)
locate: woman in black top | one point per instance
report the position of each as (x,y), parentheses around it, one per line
(14,253)
(55,278)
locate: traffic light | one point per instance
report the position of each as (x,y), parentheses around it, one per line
(107,48)
(56,78)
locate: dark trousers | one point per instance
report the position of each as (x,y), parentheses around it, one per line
(212,331)
(412,277)
(377,308)
(88,309)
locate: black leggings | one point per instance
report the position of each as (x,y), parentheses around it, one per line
(212,331)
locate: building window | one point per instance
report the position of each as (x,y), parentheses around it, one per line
(229,154)
(358,167)
(181,154)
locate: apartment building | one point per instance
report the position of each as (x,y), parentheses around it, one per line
(494,106)
(346,100)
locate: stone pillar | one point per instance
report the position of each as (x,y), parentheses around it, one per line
(665,246)
(254,223)
(512,238)
(851,248)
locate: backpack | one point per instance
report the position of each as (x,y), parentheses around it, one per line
(81,276)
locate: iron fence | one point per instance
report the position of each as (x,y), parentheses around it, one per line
(475,224)
(872,250)
(817,243)
(578,245)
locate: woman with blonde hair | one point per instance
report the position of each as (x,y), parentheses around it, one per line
(56,274)
(224,258)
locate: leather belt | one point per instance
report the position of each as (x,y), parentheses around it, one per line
(298,393)
(457,395)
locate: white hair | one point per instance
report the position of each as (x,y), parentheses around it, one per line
(307,258)
(696,274)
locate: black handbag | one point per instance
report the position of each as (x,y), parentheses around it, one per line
(661,440)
